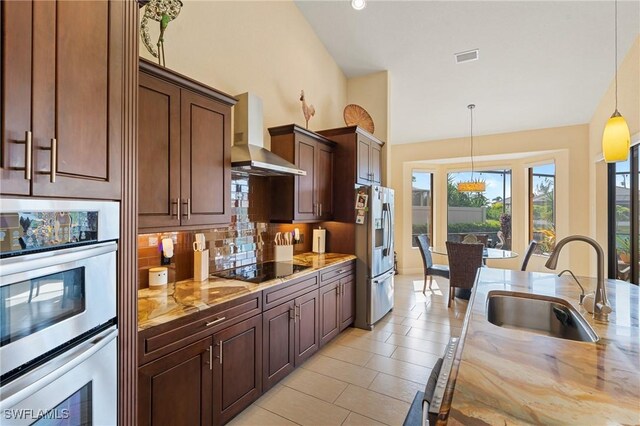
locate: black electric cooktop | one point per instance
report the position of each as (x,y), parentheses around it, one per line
(261,272)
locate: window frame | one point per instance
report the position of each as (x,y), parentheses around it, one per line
(430,219)
(530,176)
(634,225)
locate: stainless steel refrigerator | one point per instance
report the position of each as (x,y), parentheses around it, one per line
(375,252)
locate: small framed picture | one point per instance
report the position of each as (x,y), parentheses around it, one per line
(361,201)
(360,216)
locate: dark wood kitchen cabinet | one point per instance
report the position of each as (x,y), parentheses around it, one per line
(184,156)
(62,103)
(177,388)
(303,198)
(290,329)
(358,161)
(237,372)
(337,301)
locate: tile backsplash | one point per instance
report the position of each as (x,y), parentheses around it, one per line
(247,239)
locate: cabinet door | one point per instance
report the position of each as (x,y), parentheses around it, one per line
(158,152)
(237,368)
(176,389)
(77,98)
(347,301)
(206,160)
(305,187)
(363,167)
(376,163)
(307,340)
(15,95)
(278,343)
(325,181)
(329,321)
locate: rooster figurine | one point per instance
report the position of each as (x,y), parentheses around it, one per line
(308,110)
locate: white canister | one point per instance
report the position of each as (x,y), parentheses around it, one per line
(157,277)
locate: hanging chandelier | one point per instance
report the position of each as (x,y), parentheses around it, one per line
(471,185)
(616,138)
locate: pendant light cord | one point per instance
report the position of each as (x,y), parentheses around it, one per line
(616,50)
(471,107)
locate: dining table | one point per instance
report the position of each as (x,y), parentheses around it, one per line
(487,253)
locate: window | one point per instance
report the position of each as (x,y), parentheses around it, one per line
(624,218)
(487,215)
(421,205)
(542,210)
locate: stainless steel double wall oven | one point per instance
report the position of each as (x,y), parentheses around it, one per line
(58,331)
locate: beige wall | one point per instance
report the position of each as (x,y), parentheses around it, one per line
(371,92)
(629,107)
(267,48)
(566,146)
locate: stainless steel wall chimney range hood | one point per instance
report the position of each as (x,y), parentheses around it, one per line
(248,154)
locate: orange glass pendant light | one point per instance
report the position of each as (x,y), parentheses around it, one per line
(616,138)
(471,185)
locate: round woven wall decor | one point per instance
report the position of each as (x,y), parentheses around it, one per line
(355,115)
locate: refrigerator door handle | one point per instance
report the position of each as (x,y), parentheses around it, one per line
(384,277)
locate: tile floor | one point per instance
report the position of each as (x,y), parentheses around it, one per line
(367,377)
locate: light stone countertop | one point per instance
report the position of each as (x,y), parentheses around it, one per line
(159,306)
(506,376)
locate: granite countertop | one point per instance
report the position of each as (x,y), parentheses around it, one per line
(507,376)
(159,306)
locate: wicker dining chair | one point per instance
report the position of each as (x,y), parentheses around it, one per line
(527,256)
(464,261)
(427,262)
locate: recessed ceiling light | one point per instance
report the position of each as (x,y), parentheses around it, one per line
(358,4)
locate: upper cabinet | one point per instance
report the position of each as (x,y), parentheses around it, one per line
(62,98)
(358,162)
(360,154)
(303,198)
(184,154)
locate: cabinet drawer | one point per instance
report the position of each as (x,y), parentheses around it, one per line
(287,291)
(165,338)
(339,271)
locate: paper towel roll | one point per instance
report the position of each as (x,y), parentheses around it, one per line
(319,239)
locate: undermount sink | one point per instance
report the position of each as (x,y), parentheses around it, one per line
(548,316)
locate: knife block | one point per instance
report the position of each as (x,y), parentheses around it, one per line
(201,265)
(284,253)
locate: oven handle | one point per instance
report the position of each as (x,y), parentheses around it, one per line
(29,262)
(32,382)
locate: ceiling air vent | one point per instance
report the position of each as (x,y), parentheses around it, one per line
(469,55)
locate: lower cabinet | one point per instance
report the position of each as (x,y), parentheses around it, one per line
(177,388)
(347,301)
(206,368)
(337,307)
(290,336)
(237,368)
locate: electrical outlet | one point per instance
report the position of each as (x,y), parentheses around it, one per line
(153,241)
(301,240)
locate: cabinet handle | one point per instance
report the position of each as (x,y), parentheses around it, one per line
(298,311)
(221,351)
(53,159)
(292,315)
(28,154)
(215,321)
(175,208)
(320,210)
(210,350)
(188,204)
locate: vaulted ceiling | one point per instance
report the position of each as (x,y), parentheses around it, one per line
(541,63)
